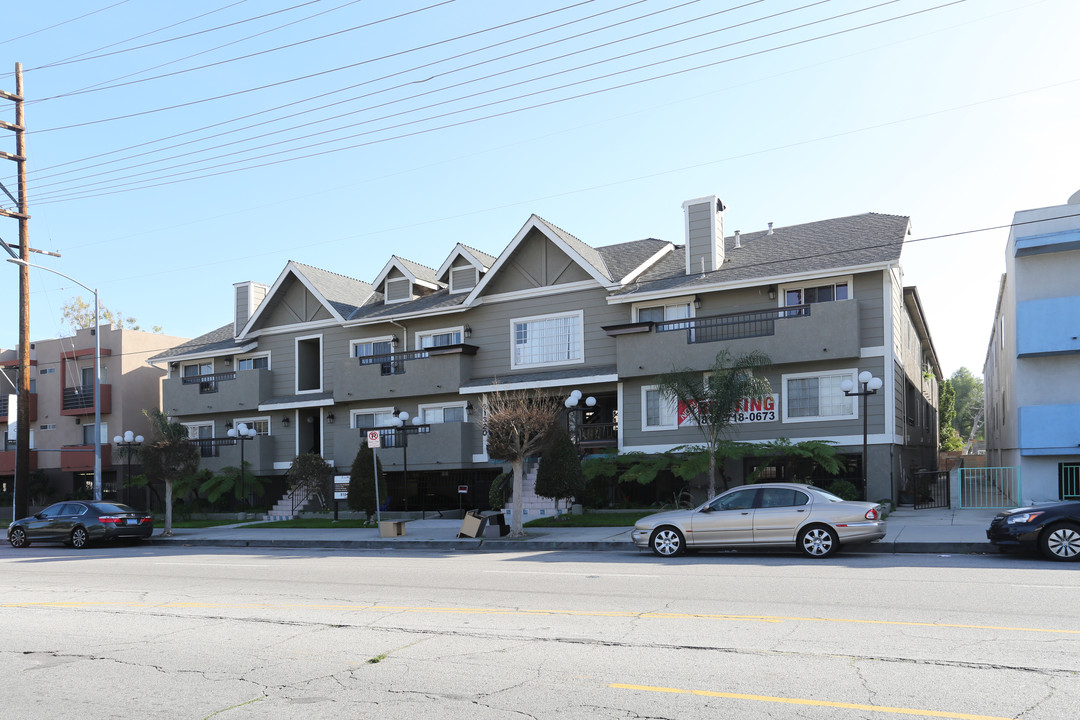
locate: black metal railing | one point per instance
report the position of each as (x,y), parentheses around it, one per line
(78,397)
(393,363)
(302,493)
(733,326)
(208,383)
(209,447)
(931,489)
(3,405)
(398,437)
(597,434)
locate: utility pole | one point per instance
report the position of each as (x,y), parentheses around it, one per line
(22,431)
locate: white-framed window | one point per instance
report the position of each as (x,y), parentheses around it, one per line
(200,431)
(443,412)
(547,340)
(309,370)
(371,346)
(816,291)
(46,371)
(253,362)
(672,309)
(261,424)
(88,432)
(658,411)
(371,418)
(439,338)
(814,396)
(197,369)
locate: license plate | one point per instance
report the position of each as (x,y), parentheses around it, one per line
(131,521)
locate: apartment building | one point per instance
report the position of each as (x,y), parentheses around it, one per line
(62,431)
(314,359)
(1032,373)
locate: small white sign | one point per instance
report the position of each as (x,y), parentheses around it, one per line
(373,440)
(341,487)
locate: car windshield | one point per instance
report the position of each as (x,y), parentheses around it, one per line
(825,494)
(114,508)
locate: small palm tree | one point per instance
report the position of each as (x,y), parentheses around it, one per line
(167,456)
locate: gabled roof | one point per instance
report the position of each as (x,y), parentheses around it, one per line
(212,344)
(417,273)
(588,258)
(340,295)
(479,260)
(825,246)
(627,260)
(439,301)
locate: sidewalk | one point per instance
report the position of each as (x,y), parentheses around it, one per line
(942,530)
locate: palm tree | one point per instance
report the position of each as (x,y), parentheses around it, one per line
(167,456)
(709,399)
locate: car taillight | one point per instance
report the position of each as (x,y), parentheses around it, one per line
(147,520)
(112,519)
(871,514)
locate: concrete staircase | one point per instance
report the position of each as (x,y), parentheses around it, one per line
(533,506)
(283,508)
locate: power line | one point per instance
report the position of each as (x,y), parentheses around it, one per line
(58,196)
(429,92)
(63,22)
(366,82)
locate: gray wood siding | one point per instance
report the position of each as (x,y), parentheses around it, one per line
(462,278)
(293,304)
(491,329)
(699,242)
(243,309)
(868,293)
(536,262)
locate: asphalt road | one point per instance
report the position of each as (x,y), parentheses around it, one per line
(153,632)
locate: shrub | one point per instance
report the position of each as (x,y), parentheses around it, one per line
(843,490)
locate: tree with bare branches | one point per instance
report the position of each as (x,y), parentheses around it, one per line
(518,424)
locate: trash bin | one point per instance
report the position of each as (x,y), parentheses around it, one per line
(496,525)
(473,525)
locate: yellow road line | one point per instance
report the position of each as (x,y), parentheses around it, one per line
(501,611)
(817,703)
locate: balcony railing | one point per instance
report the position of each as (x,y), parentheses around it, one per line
(393,363)
(209,447)
(208,383)
(734,326)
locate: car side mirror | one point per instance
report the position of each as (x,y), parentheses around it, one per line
(39,516)
(707,509)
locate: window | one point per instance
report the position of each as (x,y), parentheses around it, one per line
(738,500)
(261,425)
(375,418)
(374,346)
(88,433)
(255,362)
(206,368)
(659,313)
(202,435)
(439,338)
(547,340)
(818,293)
(659,412)
(432,414)
(309,364)
(811,396)
(47,371)
(782,497)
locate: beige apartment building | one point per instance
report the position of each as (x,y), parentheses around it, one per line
(62,431)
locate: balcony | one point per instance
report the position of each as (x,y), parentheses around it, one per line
(7,414)
(443,446)
(219,392)
(79,400)
(822,331)
(415,373)
(80,458)
(218,453)
(7,460)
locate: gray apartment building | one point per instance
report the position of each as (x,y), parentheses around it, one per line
(316,358)
(62,431)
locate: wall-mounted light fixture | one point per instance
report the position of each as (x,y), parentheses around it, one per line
(228,362)
(285,421)
(772,292)
(330,418)
(468,331)
(697,302)
(394,340)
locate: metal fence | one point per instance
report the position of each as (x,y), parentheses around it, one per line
(1069,481)
(990,488)
(932,489)
(733,326)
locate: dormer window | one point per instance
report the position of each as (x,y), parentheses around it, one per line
(463,279)
(398,290)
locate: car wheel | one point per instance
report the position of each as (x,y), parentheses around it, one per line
(818,541)
(17,538)
(79,538)
(667,542)
(1061,542)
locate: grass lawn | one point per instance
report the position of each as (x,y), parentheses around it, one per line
(620,519)
(160,522)
(315,523)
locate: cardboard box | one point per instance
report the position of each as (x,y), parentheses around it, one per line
(391,528)
(472,526)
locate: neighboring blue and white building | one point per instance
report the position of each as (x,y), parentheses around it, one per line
(1032,370)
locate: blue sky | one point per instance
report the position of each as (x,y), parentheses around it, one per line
(956,114)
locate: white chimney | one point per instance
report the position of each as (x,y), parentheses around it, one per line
(738,239)
(704,223)
(770,229)
(247,296)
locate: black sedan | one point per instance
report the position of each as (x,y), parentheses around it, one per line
(1054,529)
(77,523)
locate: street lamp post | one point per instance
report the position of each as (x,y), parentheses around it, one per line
(400,424)
(870,386)
(242,433)
(130,442)
(575,416)
(97,369)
